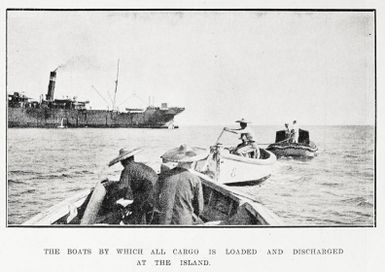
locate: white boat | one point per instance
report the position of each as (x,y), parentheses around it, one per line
(222,206)
(231,169)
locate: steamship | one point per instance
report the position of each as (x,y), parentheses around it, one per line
(52,113)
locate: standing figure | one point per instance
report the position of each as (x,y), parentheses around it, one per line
(248,144)
(294,132)
(178,193)
(136,183)
(287,132)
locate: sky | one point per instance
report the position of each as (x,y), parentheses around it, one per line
(268,67)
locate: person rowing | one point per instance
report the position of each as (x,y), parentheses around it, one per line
(132,195)
(136,183)
(248,146)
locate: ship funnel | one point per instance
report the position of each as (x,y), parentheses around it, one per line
(51,86)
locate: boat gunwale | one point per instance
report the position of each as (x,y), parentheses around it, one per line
(251,205)
(59,210)
(305,148)
(272,158)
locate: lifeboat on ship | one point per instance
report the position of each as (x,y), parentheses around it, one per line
(284,148)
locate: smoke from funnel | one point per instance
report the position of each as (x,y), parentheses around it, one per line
(59,67)
(76,63)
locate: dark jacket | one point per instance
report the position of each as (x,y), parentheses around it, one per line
(178,195)
(137,182)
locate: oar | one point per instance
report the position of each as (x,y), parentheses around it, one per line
(216,142)
(275,143)
(220,135)
(282,141)
(223,130)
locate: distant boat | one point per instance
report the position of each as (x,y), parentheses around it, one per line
(62,124)
(43,114)
(304,149)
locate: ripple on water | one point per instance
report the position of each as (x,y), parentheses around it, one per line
(16,181)
(355,200)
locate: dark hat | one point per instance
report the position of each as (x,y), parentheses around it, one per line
(125,154)
(243,121)
(185,153)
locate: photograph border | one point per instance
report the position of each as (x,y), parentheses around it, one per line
(374,225)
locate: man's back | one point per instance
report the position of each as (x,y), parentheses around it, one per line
(137,182)
(179,196)
(138,174)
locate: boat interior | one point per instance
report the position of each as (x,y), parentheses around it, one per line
(221,207)
(303,137)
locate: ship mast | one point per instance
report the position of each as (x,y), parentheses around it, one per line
(116,87)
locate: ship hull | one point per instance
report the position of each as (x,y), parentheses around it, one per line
(72,118)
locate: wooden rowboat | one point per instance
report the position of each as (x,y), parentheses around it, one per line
(294,150)
(222,206)
(304,149)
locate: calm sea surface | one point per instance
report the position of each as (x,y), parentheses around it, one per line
(46,166)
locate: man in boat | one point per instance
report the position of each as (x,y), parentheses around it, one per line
(178,192)
(136,183)
(248,145)
(294,132)
(287,132)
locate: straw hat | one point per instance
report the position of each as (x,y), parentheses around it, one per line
(243,121)
(125,154)
(185,153)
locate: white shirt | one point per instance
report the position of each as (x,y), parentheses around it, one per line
(295,127)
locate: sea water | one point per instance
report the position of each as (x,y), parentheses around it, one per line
(45,166)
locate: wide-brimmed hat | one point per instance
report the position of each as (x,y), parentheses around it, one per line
(243,121)
(125,153)
(185,153)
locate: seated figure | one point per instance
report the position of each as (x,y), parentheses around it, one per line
(248,144)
